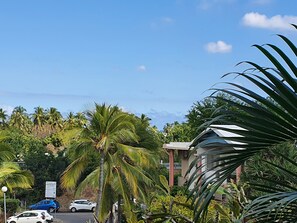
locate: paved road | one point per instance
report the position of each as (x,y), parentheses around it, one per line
(78,217)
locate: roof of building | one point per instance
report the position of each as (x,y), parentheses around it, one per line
(220,130)
(223,132)
(177,145)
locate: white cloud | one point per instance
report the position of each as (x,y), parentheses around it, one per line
(218,47)
(257,20)
(141,68)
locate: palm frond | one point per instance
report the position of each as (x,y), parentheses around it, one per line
(262,121)
(13,177)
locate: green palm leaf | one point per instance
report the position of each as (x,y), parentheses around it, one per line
(118,170)
(13,177)
(263,121)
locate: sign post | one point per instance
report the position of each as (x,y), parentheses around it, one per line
(50,190)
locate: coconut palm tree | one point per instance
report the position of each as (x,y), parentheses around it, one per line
(3,118)
(117,170)
(39,120)
(70,121)
(145,121)
(80,119)
(11,175)
(20,119)
(266,117)
(54,119)
(38,117)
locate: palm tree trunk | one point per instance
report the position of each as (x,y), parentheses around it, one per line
(101,180)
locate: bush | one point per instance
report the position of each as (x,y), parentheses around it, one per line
(179,190)
(11,205)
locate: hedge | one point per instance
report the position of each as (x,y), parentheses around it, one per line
(11,205)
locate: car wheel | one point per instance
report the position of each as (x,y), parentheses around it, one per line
(93,209)
(12,222)
(73,210)
(51,210)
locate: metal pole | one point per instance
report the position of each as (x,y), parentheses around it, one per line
(4,207)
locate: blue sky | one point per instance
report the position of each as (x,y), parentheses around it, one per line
(152,57)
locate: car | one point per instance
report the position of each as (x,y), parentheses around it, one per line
(48,205)
(82,205)
(28,217)
(49,218)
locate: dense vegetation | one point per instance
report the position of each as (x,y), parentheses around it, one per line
(117,153)
(267,131)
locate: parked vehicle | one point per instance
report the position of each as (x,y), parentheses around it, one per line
(48,205)
(28,217)
(82,205)
(49,218)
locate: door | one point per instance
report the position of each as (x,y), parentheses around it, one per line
(28,217)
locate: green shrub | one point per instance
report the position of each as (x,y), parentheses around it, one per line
(178,205)
(11,205)
(179,190)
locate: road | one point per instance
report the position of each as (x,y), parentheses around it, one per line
(78,217)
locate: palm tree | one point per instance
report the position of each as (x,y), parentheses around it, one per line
(81,120)
(117,170)
(39,119)
(11,174)
(3,118)
(54,119)
(77,120)
(266,120)
(145,121)
(20,119)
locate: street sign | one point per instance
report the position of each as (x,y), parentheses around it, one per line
(50,189)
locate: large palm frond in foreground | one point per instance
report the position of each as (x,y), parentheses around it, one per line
(264,119)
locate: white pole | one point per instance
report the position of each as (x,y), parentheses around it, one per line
(4,206)
(4,189)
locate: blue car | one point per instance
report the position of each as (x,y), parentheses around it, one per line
(48,205)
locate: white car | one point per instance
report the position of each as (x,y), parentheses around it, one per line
(28,217)
(49,218)
(82,205)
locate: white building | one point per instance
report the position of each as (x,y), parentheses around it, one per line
(210,139)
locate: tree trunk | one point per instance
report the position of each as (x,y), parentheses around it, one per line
(101,180)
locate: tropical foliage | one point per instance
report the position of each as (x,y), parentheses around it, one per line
(262,170)
(177,132)
(162,206)
(203,111)
(11,175)
(117,173)
(266,120)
